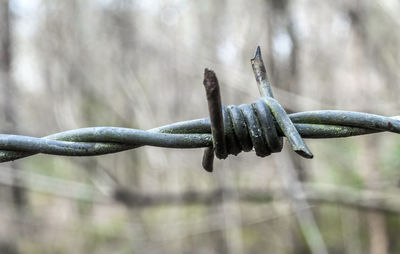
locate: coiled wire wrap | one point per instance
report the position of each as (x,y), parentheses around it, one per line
(250,126)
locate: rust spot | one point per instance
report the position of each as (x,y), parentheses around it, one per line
(390,125)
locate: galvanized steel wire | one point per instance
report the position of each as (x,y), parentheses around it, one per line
(232,129)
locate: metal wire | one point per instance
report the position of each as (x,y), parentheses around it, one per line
(260,125)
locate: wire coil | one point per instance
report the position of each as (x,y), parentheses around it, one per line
(250,126)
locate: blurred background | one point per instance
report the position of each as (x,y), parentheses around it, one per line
(139,64)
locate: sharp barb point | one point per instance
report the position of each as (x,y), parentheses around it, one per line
(208,159)
(305,153)
(258,52)
(257,55)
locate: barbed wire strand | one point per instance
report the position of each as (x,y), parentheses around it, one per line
(245,127)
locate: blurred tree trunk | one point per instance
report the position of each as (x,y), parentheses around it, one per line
(376,220)
(9,123)
(368,162)
(281,23)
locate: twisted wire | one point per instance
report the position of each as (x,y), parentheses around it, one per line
(229,130)
(187,134)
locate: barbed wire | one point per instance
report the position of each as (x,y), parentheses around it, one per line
(230,130)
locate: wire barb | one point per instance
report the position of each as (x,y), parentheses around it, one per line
(229,130)
(217,125)
(264,86)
